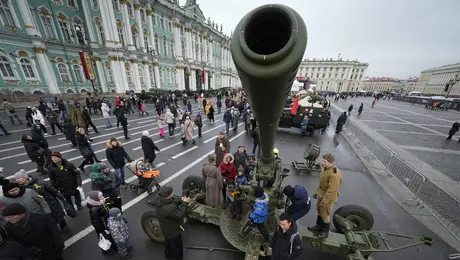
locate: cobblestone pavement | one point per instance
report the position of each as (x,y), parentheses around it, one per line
(420,131)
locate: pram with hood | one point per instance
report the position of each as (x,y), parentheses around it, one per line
(146,176)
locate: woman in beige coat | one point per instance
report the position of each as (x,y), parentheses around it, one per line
(214,183)
(188,129)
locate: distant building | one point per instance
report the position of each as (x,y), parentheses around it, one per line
(433,81)
(135,45)
(334,75)
(385,84)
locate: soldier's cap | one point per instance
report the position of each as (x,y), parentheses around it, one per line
(329,157)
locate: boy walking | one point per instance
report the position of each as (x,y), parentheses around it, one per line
(119,231)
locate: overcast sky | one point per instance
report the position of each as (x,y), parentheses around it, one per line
(398,38)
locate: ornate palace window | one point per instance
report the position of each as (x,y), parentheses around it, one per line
(77,72)
(109,71)
(95,4)
(162,23)
(120,33)
(142,11)
(165,46)
(152,77)
(63,72)
(100,30)
(172,48)
(7,14)
(65,30)
(141,76)
(157,44)
(130,9)
(116,6)
(135,40)
(27,68)
(128,73)
(72,4)
(48,23)
(154,20)
(6,68)
(168,76)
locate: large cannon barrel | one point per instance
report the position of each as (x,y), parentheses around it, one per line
(267,47)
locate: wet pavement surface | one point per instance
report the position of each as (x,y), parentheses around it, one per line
(405,124)
(358,188)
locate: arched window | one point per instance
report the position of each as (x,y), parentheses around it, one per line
(160,72)
(65,30)
(130,9)
(157,44)
(6,68)
(6,14)
(71,3)
(100,31)
(63,72)
(146,39)
(27,68)
(48,24)
(135,40)
(152,77)
(182,44)
(162,22)
(95,4)
(108,68)
(165,46)
(116,6)
(77,72)
(154,20)
(120,35)
(168,76)
(128,73)
(172,48)
(141,76)
(142,15)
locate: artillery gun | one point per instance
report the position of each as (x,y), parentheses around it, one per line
(267,48)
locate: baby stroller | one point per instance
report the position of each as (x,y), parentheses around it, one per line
(146,177)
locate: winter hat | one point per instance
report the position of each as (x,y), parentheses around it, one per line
(21,174)
(113,139)
(241,146)
(240,168)
(145,133)
(113,212)
(9,186)
(288,190)
(13,210)
(56,154)
(329,157)
(258,191)
(211,158)
(166,191)
(221,133)
(94,195)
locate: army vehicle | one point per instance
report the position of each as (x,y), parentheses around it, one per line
(267,47)
(309,105)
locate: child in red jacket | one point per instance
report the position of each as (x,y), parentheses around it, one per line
(228,171)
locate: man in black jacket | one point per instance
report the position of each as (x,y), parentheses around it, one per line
(149,148)
(40,229)
(171,212)
(286,243)
(36,151)
(116,155)
(65,177)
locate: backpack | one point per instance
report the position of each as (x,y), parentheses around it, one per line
(291,240)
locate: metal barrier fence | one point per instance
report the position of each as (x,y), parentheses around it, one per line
(445,208)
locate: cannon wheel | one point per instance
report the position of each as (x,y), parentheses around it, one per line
(358,215)
(309,131)
(194,184)
(151,226)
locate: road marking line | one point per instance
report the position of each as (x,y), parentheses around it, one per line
(184,152)
(75,238)
(210,139)
(137,148)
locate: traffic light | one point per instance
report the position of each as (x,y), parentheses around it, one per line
(447,87)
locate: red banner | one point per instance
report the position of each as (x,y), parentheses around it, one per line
(203,76)
(295,106)
(88,67)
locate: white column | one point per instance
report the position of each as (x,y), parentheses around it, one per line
(205,49)
(157,75)
(147,79)
(89,25)
(111,23)
(137,13)
(48,72)
(177,78)
(27,17)
(127,28)
(198,60)
(117,75)
(211,56)
(177,40)
(107,24)
(188,40)
(192,79)
(150,28)
(135,74)
(101,74)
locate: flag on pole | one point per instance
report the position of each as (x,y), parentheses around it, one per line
(295,106)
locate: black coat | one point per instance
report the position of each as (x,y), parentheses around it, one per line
(39,138)
(281,244)
(69,130)
(51,196)
(41,232)
(32,147)
(12,250)
(149,148)
(171,213)
(116,155)
(83,145)
(65,180)
(98,216)
(240,159)
(255,136)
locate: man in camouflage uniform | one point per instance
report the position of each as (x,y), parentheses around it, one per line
(327,194)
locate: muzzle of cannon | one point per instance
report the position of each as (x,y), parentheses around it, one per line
(267,47)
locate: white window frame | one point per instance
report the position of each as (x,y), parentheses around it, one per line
(82,77)
(146,40)
(121,36)
(109,71)
(74,30)
(162,23)
(136,41)
(165,46)
(157,44)
(141,75)
(129,7)
(143,16)
(34,20)
(53,27)
(99,31)
(154,20)
(32,66)
(168,76)
(75,6)
(117,4)
(12,66)
(67,72)
(67,23)
(172,48)
(13,14)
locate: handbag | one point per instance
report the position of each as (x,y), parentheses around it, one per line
(104,243)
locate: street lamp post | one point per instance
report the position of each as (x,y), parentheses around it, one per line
(152,52)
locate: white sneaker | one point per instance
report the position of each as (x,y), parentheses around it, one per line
(45,134)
